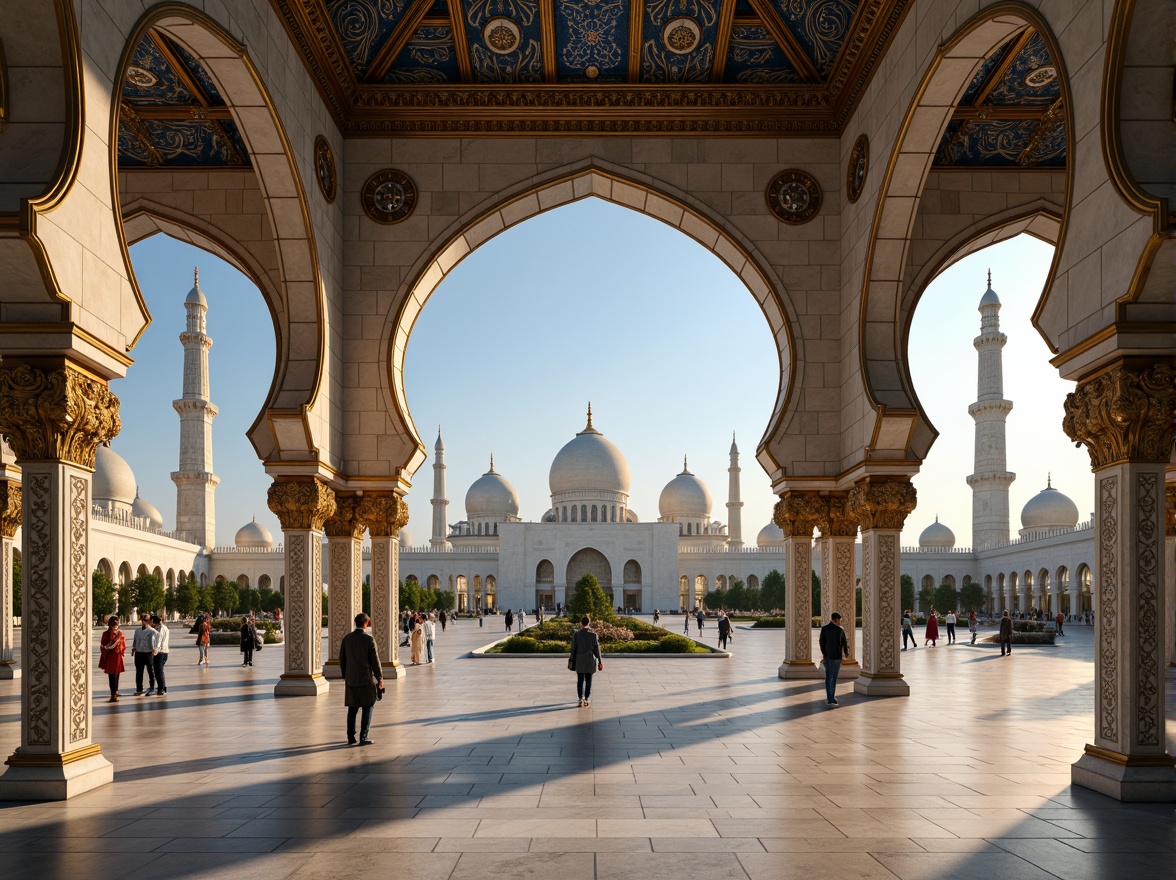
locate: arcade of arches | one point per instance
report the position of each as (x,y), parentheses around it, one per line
(835,174)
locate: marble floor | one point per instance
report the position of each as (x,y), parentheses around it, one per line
(704,768)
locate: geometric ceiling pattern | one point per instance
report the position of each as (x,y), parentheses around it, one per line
(1011,115)
(171,115)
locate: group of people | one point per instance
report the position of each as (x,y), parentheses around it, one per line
(421,631)
(150,646)
(931,633)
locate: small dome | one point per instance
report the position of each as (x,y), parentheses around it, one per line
(1048,509)
(589,463)
(146,510)
(254,536)
(195,295)
(685,497)
(491,495)
(937,536)
(405,539)
(990,298)
(113,478)
(439,446)
(770,535)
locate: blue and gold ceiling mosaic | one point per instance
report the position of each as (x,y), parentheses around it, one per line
(500,66)
(171,114)
(1012,114)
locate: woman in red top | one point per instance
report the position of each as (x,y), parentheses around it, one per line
(203,637)
(932,629)
(110,658)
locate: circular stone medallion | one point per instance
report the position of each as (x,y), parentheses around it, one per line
(1041,77)
(324,167)
(855,174)
(501,35)
(389,196)
(793,197)
(681,35)
(140,78)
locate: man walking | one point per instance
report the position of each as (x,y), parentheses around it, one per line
(509,619)
(359,662)
(724,630)
(142,649)
(1006,634)
(430,635)
(834,648)
(951,622)
(908,629)
(700,617)
(162,646)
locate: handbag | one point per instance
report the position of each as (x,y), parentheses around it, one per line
(258,641)
(571,662)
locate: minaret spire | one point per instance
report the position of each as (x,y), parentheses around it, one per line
(991,480)
(439,537)
(195,481)
(734,500)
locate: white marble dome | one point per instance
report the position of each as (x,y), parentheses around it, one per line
(1048,509)
(405,539)
(114,481)
(589,463)
(770,535)
(148,511)
(685,497)
(491,495)
(937,536)
(253,536)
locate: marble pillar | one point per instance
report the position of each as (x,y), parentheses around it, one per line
(385,514)
(798,513)
(1123,417)
(9,524)
(881,507)
(302,507)
(53,416)
(344,532)
(1074,592)
(838,586)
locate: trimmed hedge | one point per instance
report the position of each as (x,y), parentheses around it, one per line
(669,643)
(232,626)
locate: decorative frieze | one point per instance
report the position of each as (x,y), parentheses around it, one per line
(1123,415)
(303,505)
(10,508)
(56,415)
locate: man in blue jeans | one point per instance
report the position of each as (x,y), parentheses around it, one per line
(834,648)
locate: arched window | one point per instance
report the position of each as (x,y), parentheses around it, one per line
(614,513)
(545,572)
(583,513)
(689,526)
(565,513)
(752,582)
(433,582)
(594,513)
(632,572)
(575,513)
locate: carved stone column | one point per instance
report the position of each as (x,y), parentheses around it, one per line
(881,507)
(385,514)
(344,576)
(9,524)
(838,588)
(798,513)
(302,508)
(1170,575)
(1124,417)
(53,417)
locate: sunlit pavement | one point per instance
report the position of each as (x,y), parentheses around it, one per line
(705,768)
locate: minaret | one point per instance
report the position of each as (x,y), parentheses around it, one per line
(990,483)
(734,502)
(195,481)
(440,502)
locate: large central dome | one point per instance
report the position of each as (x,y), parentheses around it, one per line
(588,466)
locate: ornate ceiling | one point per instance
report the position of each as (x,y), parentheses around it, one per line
(1011,115)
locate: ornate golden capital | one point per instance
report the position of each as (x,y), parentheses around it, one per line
(838,521)
(345,521)
(58,415)
(9,508)
(1123,415)
(384,513)
(798,513)
(881,505)
(305,505)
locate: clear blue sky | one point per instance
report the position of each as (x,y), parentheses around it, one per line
(595,302)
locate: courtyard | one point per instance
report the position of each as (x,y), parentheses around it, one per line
(685,768)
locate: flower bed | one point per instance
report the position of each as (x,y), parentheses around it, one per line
(626,635)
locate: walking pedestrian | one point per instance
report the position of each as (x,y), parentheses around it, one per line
(142,649)
(430,635)
(203,639)
(908,629)
(834,648)
(248,641)
(110,655)
(416,640)
(951,622)
(932,633)
(724,630)
(656,617)
(700,617)
(509,619)
(686,623)
(444,618)
(1005,637)
(585,659)
(159,658)
(972,624)
(1060,619)
(522,620)
(363,678)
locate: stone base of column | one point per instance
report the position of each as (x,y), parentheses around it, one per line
(331,669)
(54,777)
(849,669)
(301,686)
(799,669)
(1127,778)
(9,672)
(393,670)
(881,685)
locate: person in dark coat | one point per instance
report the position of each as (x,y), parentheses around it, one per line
(509,619)
(1006,634)
(586,659)
(359,662)
(724,630)
(834,648)
(248,641)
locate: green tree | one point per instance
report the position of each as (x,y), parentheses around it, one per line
(926,598)
(972,596)
(225,596)
(270,600)
(858,600)
(104,593)
(947,598)
(148,593)
(737,597)
(207,599)
(410,596)
(367,596)
(447,600)
(817,594)
(772,591)
(591,599)
(126,600)
(908,593)
(715,599)
(17,593)
(754,599)
(169,600)
(187,598)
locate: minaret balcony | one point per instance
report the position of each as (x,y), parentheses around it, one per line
(998,406)
(1000,479)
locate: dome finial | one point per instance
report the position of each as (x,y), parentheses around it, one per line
(990,277)
(491,463)
(685,466)
(1048,480)
(589,414)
